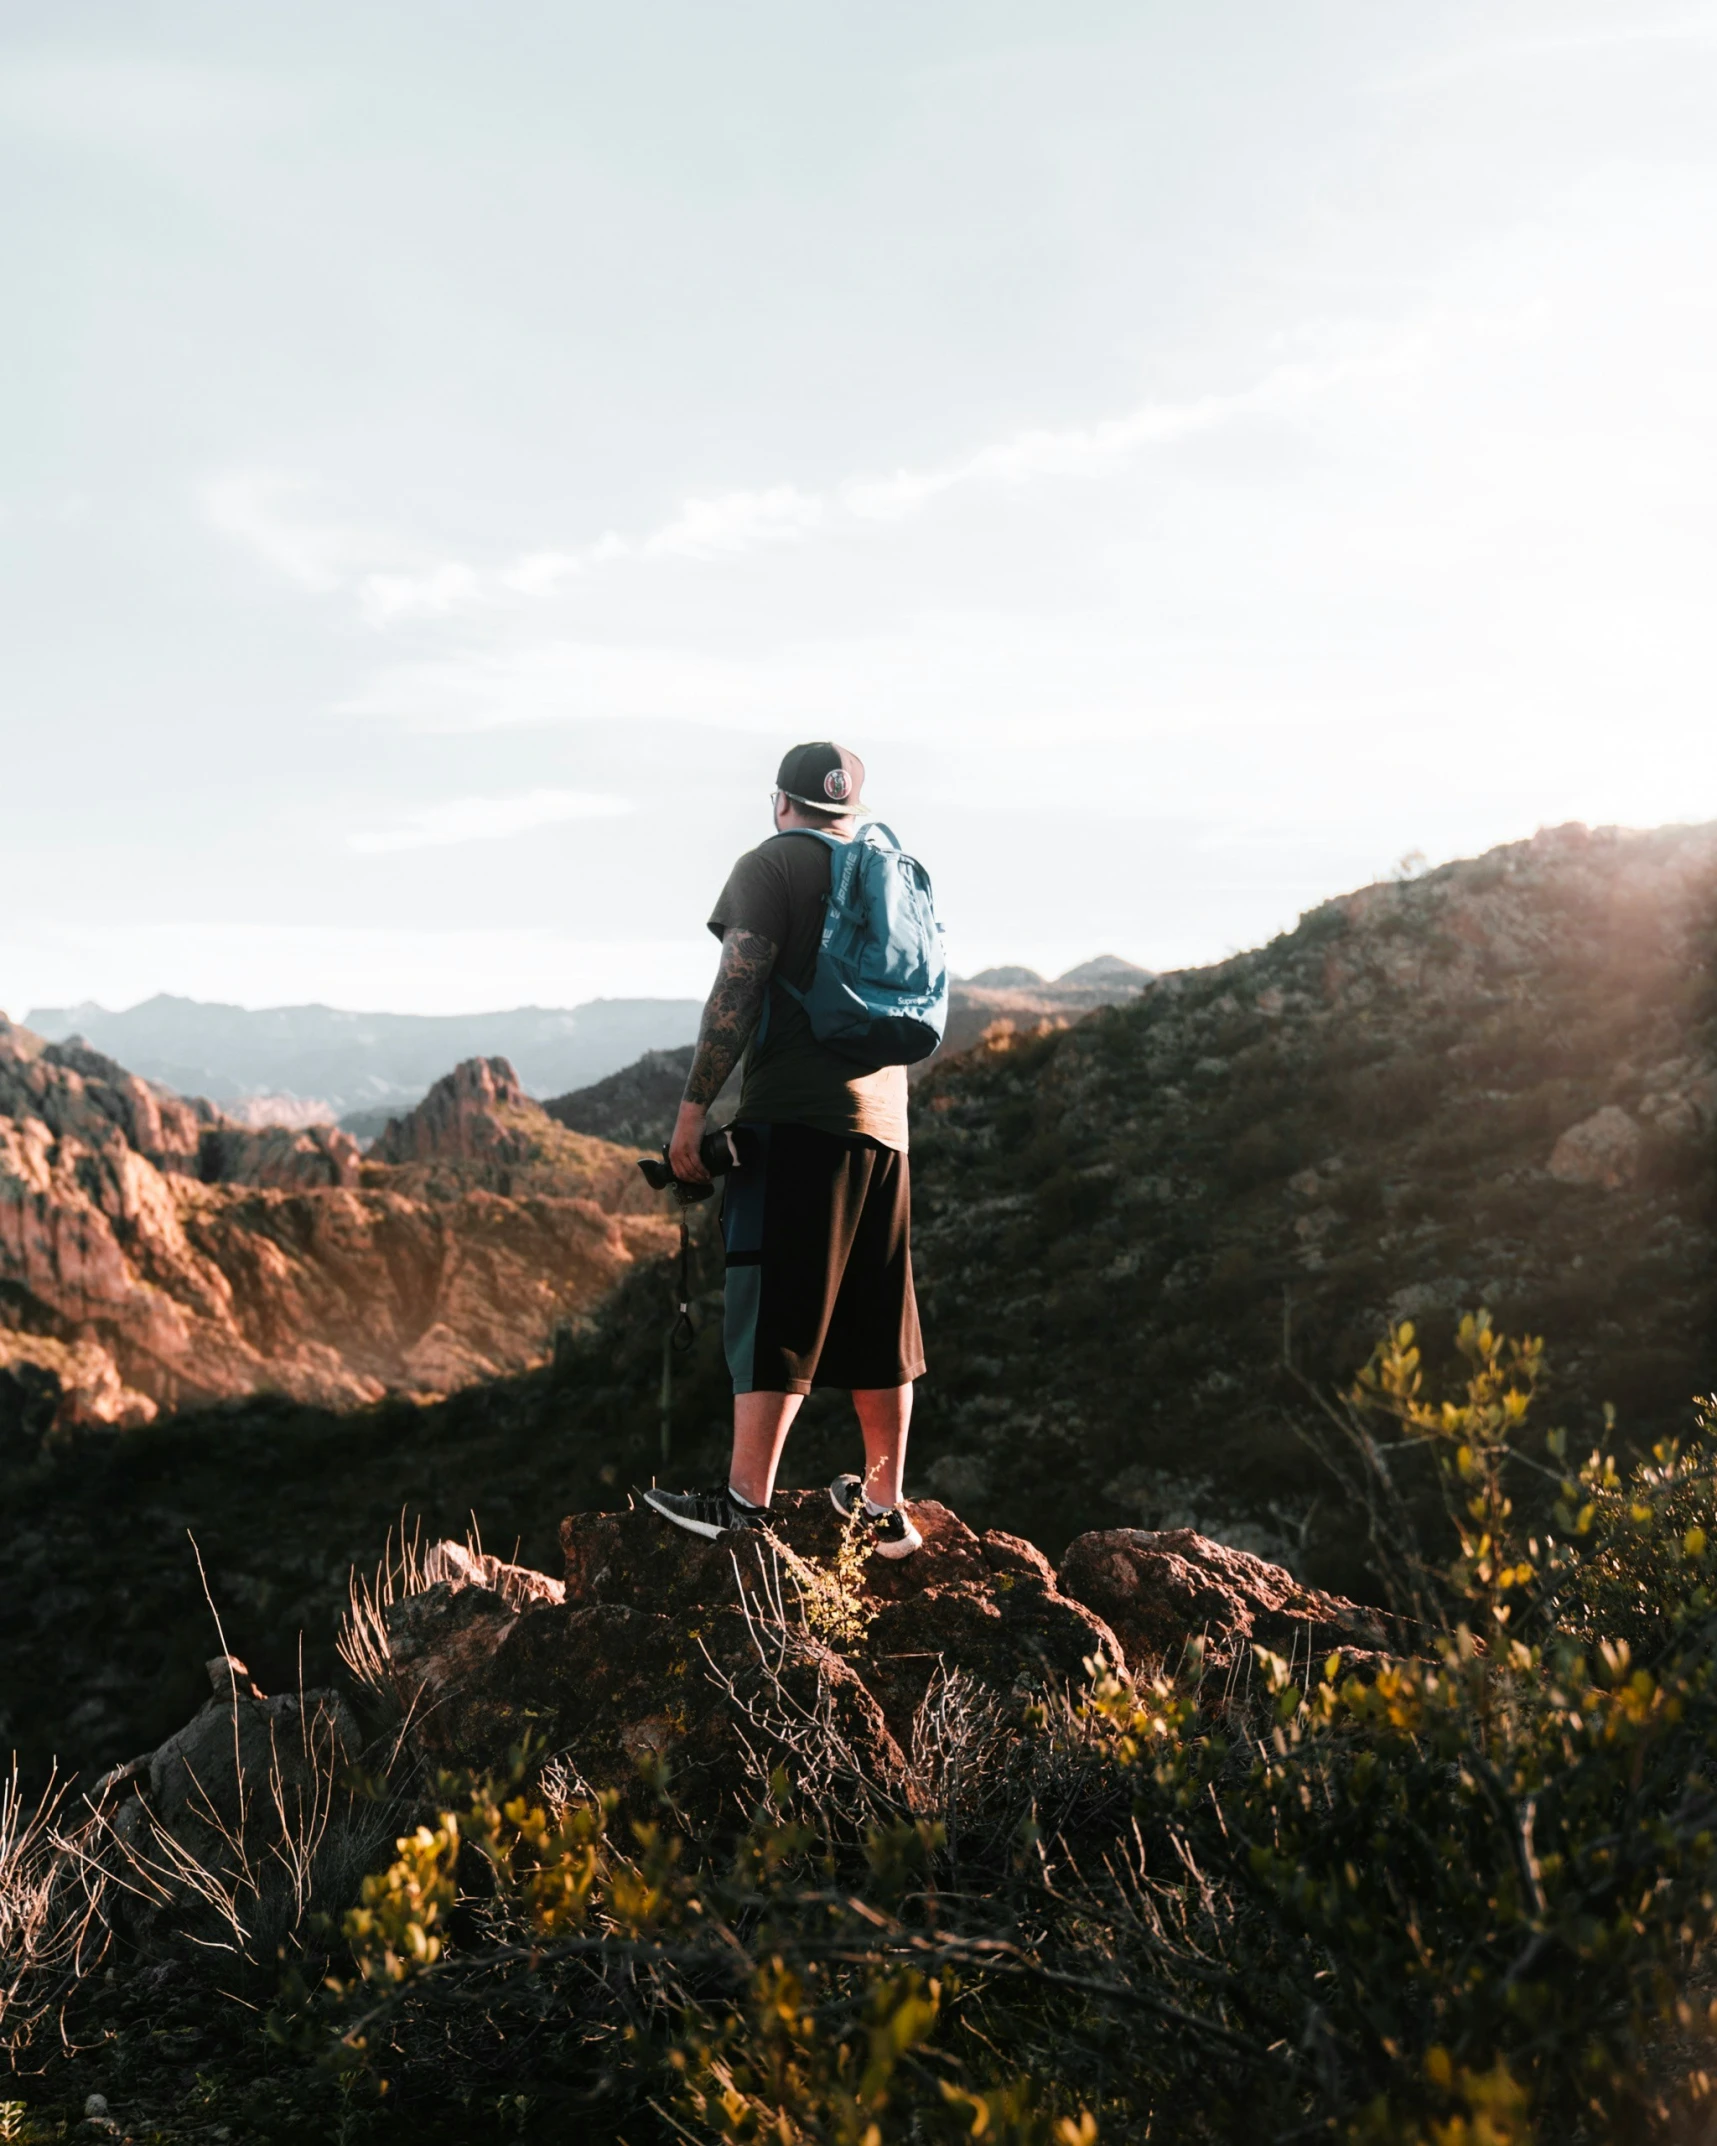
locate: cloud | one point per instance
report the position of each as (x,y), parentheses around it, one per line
(735,522)
(266,511)
(485,819)
(1093,450)
(287,521)
(724,527)
(977,679)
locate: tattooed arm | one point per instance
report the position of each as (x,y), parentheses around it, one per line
(729,1016)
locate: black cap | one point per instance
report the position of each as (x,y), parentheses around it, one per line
(824,776)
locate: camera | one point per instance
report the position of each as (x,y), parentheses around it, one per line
(718,1153)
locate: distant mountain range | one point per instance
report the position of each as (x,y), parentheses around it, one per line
(292,1064)
(365,1061)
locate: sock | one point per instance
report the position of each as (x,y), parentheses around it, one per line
(873,1510)
(739,1500)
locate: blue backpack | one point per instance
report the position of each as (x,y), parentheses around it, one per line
(879,993)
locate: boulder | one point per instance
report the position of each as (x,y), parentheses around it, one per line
(227,1805)
(609,1688)
(517,1585)
(1603,1149)
(1158,1589)
(988,1605)
(669,1647)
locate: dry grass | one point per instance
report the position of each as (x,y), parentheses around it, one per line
(362,1643)
(54,1931)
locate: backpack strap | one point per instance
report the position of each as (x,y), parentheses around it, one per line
(834,844)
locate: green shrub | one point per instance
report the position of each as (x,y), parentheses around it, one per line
(1461,1893)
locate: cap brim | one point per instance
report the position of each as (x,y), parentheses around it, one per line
(823,804)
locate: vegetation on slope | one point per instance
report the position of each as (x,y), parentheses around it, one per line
(1463,1892)
(1132,1234)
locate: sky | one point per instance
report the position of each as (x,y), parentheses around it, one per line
(1197,457)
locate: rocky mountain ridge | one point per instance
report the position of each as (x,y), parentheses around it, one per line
(208,1264)
(155,1254)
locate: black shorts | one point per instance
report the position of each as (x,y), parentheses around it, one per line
(818,1233)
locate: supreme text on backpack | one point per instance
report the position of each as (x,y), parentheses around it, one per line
(879,993)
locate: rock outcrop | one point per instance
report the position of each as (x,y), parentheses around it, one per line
(284,1158)
(711,1662)
(218,1812)
(659,1645)
(465,1117)
(477,1129)
(1603,1149)
(153,1254)
(663,1645)
(1158,1590)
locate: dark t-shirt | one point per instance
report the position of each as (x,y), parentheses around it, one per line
(779,891)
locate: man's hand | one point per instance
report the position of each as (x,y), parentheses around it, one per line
(683,1147)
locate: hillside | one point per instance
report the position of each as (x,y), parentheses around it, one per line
(1495,1083)
(155,1255)
(1020,999)
(363,1061)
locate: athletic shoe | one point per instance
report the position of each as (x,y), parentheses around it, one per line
(705,1512)
(891,1533)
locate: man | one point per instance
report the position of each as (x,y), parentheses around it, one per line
(816,1217)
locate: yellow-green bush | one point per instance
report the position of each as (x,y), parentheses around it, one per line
(1462,1894)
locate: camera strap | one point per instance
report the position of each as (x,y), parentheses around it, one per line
(684,1334)
(681,1336)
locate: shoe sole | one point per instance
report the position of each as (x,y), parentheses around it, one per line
(881,1549)
(899,1549)
(682,1520)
